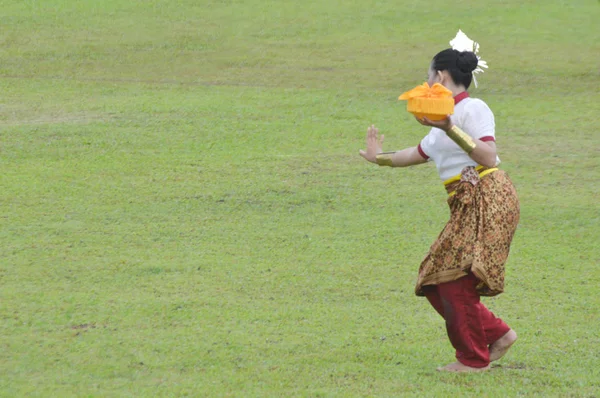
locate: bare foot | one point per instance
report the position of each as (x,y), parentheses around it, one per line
(499,347)
(459,367)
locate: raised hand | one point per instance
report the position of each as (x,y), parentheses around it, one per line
(374,144)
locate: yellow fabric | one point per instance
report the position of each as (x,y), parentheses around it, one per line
(481,175)
(457,177)
(486,172)
(435,91)
(434,102)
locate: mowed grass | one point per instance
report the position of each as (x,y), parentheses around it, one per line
(184,211)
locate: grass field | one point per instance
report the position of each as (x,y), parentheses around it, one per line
(184,211)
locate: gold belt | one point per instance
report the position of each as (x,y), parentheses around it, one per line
(449,183)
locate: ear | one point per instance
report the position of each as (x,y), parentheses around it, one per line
(443,76)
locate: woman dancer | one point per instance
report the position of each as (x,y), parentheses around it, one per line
(467,259)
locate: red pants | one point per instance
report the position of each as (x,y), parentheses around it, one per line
(471,326)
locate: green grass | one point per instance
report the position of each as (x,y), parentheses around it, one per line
(184,211)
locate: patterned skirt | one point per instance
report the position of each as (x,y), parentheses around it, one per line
(484,213)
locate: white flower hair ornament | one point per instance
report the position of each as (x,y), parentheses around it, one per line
(462,43)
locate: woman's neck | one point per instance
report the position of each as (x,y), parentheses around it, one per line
(456,89)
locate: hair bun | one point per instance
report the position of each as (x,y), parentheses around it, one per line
(467,61)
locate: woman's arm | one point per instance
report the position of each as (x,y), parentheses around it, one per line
(484,153)
(406,157)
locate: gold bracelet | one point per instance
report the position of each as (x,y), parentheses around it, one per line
(384,159)
(461,138)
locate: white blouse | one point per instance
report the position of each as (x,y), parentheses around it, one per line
(475,118)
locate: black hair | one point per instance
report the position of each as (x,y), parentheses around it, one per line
(459,64)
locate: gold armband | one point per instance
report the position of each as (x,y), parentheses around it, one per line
(462,139)
(384,158)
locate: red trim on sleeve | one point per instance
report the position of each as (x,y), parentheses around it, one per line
(460,97)
(421,152)
(487,138)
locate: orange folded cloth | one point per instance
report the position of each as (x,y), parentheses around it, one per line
(434,102)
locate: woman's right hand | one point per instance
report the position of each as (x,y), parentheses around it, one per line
(374,145)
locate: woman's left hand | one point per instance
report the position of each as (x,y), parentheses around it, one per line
(444,124)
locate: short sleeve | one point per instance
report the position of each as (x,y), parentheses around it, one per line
(478,121)
(425,148)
